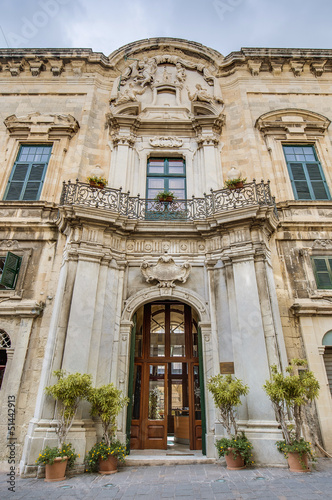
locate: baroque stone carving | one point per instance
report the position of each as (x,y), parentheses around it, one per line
(55,125)
(166,142)
(129,94)
(324,244)
(166,271)
(200,94)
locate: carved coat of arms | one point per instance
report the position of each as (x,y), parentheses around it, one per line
(166,271)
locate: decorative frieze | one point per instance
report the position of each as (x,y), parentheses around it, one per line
(166,142)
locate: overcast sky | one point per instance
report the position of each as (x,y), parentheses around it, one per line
(224,25)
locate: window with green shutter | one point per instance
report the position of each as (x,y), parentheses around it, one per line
(27,177)
(323,271)
(9,269)
(306,173)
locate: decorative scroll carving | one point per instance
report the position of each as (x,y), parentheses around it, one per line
(166,142)
(165,271)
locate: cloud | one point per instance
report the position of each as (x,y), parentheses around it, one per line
(106,25)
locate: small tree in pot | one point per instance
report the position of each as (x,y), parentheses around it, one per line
(290,393)
(106,403)
(68,391)
(226,392)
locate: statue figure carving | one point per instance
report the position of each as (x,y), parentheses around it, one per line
(200,94)
(129,94)
(181,74)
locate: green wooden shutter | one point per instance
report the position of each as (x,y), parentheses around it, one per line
(323,272)
(299,181)
(27,177)
(34,182)
(16,184)
(317,182)
(10,270)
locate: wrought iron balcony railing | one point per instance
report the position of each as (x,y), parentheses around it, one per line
(134,207)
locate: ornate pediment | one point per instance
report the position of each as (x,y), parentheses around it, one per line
(166,271)
(292,123)
(54,125)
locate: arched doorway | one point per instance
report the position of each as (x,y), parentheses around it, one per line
(165,383)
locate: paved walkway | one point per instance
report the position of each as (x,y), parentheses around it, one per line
(199,481)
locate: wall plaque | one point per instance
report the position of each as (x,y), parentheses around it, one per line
(226,367)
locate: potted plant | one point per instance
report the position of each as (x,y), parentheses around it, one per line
(104,458)
(290,393)
(165,196)
(235,183)
(236,447)
(106,403)
(98,182)
(68,391)
(56,460)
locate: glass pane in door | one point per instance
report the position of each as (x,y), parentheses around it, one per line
(197,394)
(177,332)
(157,331)
(157,392)
(137,392)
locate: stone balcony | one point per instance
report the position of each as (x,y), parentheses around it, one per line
(117,202)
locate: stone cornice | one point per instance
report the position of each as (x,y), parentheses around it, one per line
(25,308)
(273,60)
(255,60)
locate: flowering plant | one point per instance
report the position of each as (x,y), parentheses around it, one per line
(97,180)
(164,196)
(302,447)
(232,183)
(48,455)
(101,451)
(237,445)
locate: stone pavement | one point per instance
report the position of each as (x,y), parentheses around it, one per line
(197,481)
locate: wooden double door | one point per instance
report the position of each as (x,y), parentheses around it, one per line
(166,382)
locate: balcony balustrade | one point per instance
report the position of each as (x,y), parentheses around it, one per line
(135,207)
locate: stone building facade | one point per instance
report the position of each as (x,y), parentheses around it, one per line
(160,295)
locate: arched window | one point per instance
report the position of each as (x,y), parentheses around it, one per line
(327,341)
(5,343)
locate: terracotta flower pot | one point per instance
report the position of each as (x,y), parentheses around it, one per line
(234,463)
(108,466)
(167,198)
(98,185)
(294,462)
(237,185)
(56,471)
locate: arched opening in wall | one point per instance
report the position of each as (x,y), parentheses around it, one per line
(327,341)
(165,383)
(5,343)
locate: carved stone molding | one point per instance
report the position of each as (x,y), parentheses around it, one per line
(9,244)
(322,244)
(166,271)
(292,123)
(54,126)
(166,142)
(36,66)
(254,67)
(297,66)
(318,68)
